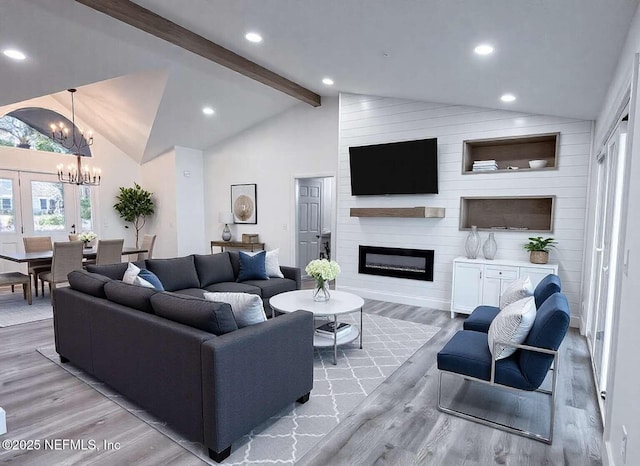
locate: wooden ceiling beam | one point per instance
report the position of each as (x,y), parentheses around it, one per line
(156,25)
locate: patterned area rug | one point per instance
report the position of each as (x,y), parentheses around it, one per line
(15,310)
(337,389)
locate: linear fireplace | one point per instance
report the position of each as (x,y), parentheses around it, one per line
(416,264)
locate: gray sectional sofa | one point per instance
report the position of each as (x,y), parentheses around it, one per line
(183,358)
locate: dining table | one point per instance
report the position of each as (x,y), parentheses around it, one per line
(87,253)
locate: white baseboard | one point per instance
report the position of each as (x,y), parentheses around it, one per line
(576,322)
(421,301)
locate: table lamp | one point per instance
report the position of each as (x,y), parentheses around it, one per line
(226,218)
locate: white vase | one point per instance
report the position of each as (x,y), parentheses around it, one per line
(472,245)
(490,247)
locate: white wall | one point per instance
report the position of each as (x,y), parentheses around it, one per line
(301,142)
(190,202)
(159,177)
(623,408)
(369,120)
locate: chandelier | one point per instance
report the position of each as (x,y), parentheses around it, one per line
(74,143)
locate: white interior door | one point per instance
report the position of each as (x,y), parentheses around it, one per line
(309,221)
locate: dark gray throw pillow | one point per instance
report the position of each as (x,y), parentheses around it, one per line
(136,297)
(216,318)
(175,274)
(87,282)
(214,268)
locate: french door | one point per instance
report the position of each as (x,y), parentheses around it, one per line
(611,165)
(37,204)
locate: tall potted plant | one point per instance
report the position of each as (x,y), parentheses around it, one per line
(539,249)
(134,205)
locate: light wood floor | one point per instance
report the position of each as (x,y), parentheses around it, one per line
(397,425)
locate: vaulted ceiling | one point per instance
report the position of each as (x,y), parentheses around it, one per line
(146,95)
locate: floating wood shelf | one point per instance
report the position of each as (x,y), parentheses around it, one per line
(406,212)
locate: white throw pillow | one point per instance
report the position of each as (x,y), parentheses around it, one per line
(247,308)
(131,277)
(271,262)
(517,289)
(512,324)
(131,273)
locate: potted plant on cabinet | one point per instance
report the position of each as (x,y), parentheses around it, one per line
(539,249)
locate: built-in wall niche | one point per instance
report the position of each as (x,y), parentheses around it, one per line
(522,213)
(511,153)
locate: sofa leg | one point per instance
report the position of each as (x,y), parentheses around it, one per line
(304,398)
(63,360)
(219,457)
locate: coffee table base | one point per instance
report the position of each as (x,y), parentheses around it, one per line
(321,341)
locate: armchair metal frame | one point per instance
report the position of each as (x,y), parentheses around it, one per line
(498,425)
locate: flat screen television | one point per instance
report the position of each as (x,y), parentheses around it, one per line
(409,167)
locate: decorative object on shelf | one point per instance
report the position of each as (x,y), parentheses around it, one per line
(537,163)
(75,143)
(250,238)
(472,245)
(539,249)
(134,205)
(226,218)
(323,271)
(243,203)
(490,247)
(86,237)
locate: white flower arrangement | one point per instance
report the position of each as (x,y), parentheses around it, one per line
(323,270)
(87,236)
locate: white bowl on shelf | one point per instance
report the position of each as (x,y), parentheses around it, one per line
(537,163)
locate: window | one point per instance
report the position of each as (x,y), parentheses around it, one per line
(29,128)
(48,206)
(7,214)
(85,208)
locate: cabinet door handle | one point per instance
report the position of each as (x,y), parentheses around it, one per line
(499,273)
(480,275)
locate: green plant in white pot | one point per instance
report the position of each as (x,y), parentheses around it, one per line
(134,205)
(539,249)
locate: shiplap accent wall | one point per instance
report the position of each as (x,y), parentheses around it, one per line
(372,120)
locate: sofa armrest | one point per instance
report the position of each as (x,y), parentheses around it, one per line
(254,372)
(293,273)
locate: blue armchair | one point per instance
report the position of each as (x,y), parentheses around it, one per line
(467,355)
(482,316)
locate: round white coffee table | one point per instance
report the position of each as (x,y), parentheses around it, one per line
(341,302)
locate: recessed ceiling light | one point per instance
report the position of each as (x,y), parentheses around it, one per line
(15,54)
(253,37)
(483,49)
(508,97)
(327,81)
(208,111)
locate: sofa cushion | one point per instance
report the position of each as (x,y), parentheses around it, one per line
(87,282)
(214,268)
(234,287)
(195,292)
(175,274)
(216,318)
(481,318)
(133,296)
(114,271)
(252,267)
(247,308)
(273,286)
(512,325)
(234,256)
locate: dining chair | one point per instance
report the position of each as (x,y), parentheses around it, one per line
(35,268)
(109,251)
(67,257)
(148,241)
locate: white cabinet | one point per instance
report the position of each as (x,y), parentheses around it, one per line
(481,281)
